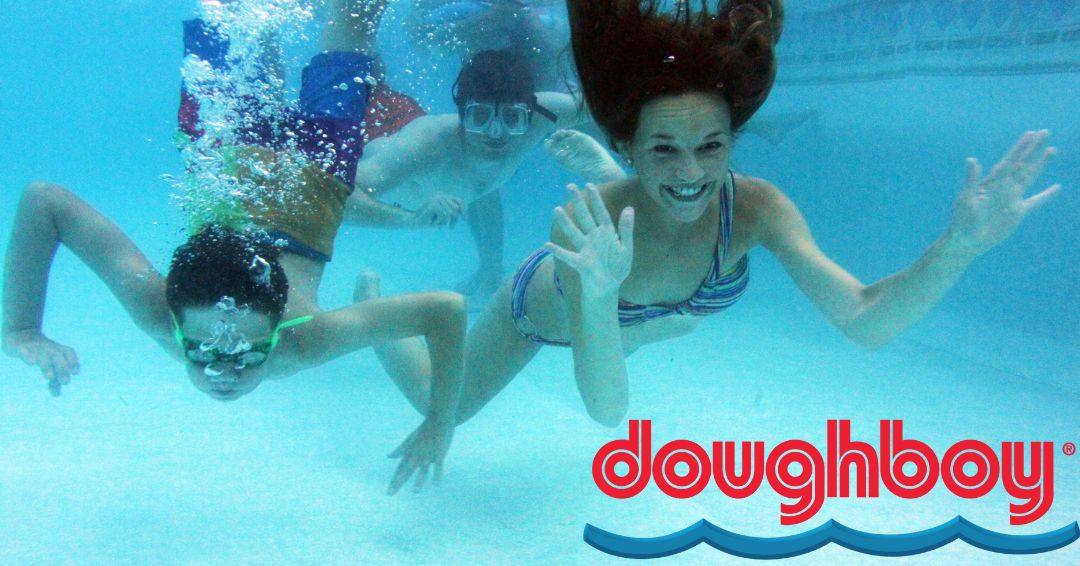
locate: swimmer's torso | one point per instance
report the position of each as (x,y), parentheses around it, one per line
(662,272)
(307,203)
(453,170)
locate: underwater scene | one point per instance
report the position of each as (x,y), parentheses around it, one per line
(539,281)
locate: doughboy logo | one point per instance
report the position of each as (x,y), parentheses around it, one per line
(805,477)
(797,470)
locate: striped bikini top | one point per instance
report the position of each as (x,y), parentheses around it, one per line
(717,292)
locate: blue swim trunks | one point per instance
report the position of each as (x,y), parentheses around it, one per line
(328,120)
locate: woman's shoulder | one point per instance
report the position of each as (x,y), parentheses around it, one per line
(754,195)
(757,202)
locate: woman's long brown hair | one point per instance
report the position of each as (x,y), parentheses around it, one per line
(628,52)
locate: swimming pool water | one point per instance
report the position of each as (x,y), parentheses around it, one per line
(132,465)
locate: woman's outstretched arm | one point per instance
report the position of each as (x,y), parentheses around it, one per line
(47,216)
(987,211)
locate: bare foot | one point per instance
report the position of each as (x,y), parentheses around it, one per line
(367,286)
(583,155)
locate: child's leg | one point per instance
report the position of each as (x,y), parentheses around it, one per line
(406,360)
(206,41)
(495,352)
(429,372)
(352,25)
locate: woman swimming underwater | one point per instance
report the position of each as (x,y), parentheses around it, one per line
(670,91)
(239,304)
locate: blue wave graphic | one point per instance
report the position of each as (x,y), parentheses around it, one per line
(765,548)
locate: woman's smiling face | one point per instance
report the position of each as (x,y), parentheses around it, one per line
(681,151)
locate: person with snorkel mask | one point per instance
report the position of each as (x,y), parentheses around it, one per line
(239,305)
(454,164)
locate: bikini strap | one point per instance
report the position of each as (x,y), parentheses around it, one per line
(727,199)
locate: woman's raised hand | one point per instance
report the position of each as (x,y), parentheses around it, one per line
(599,251)
(989,209)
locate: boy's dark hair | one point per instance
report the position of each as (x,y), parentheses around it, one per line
(221,262)
(502,75)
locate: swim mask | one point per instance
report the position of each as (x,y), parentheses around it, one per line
(477,116)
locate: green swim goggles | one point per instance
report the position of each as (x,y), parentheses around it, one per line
(254,355)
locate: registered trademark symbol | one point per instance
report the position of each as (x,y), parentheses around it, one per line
(1068,448)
